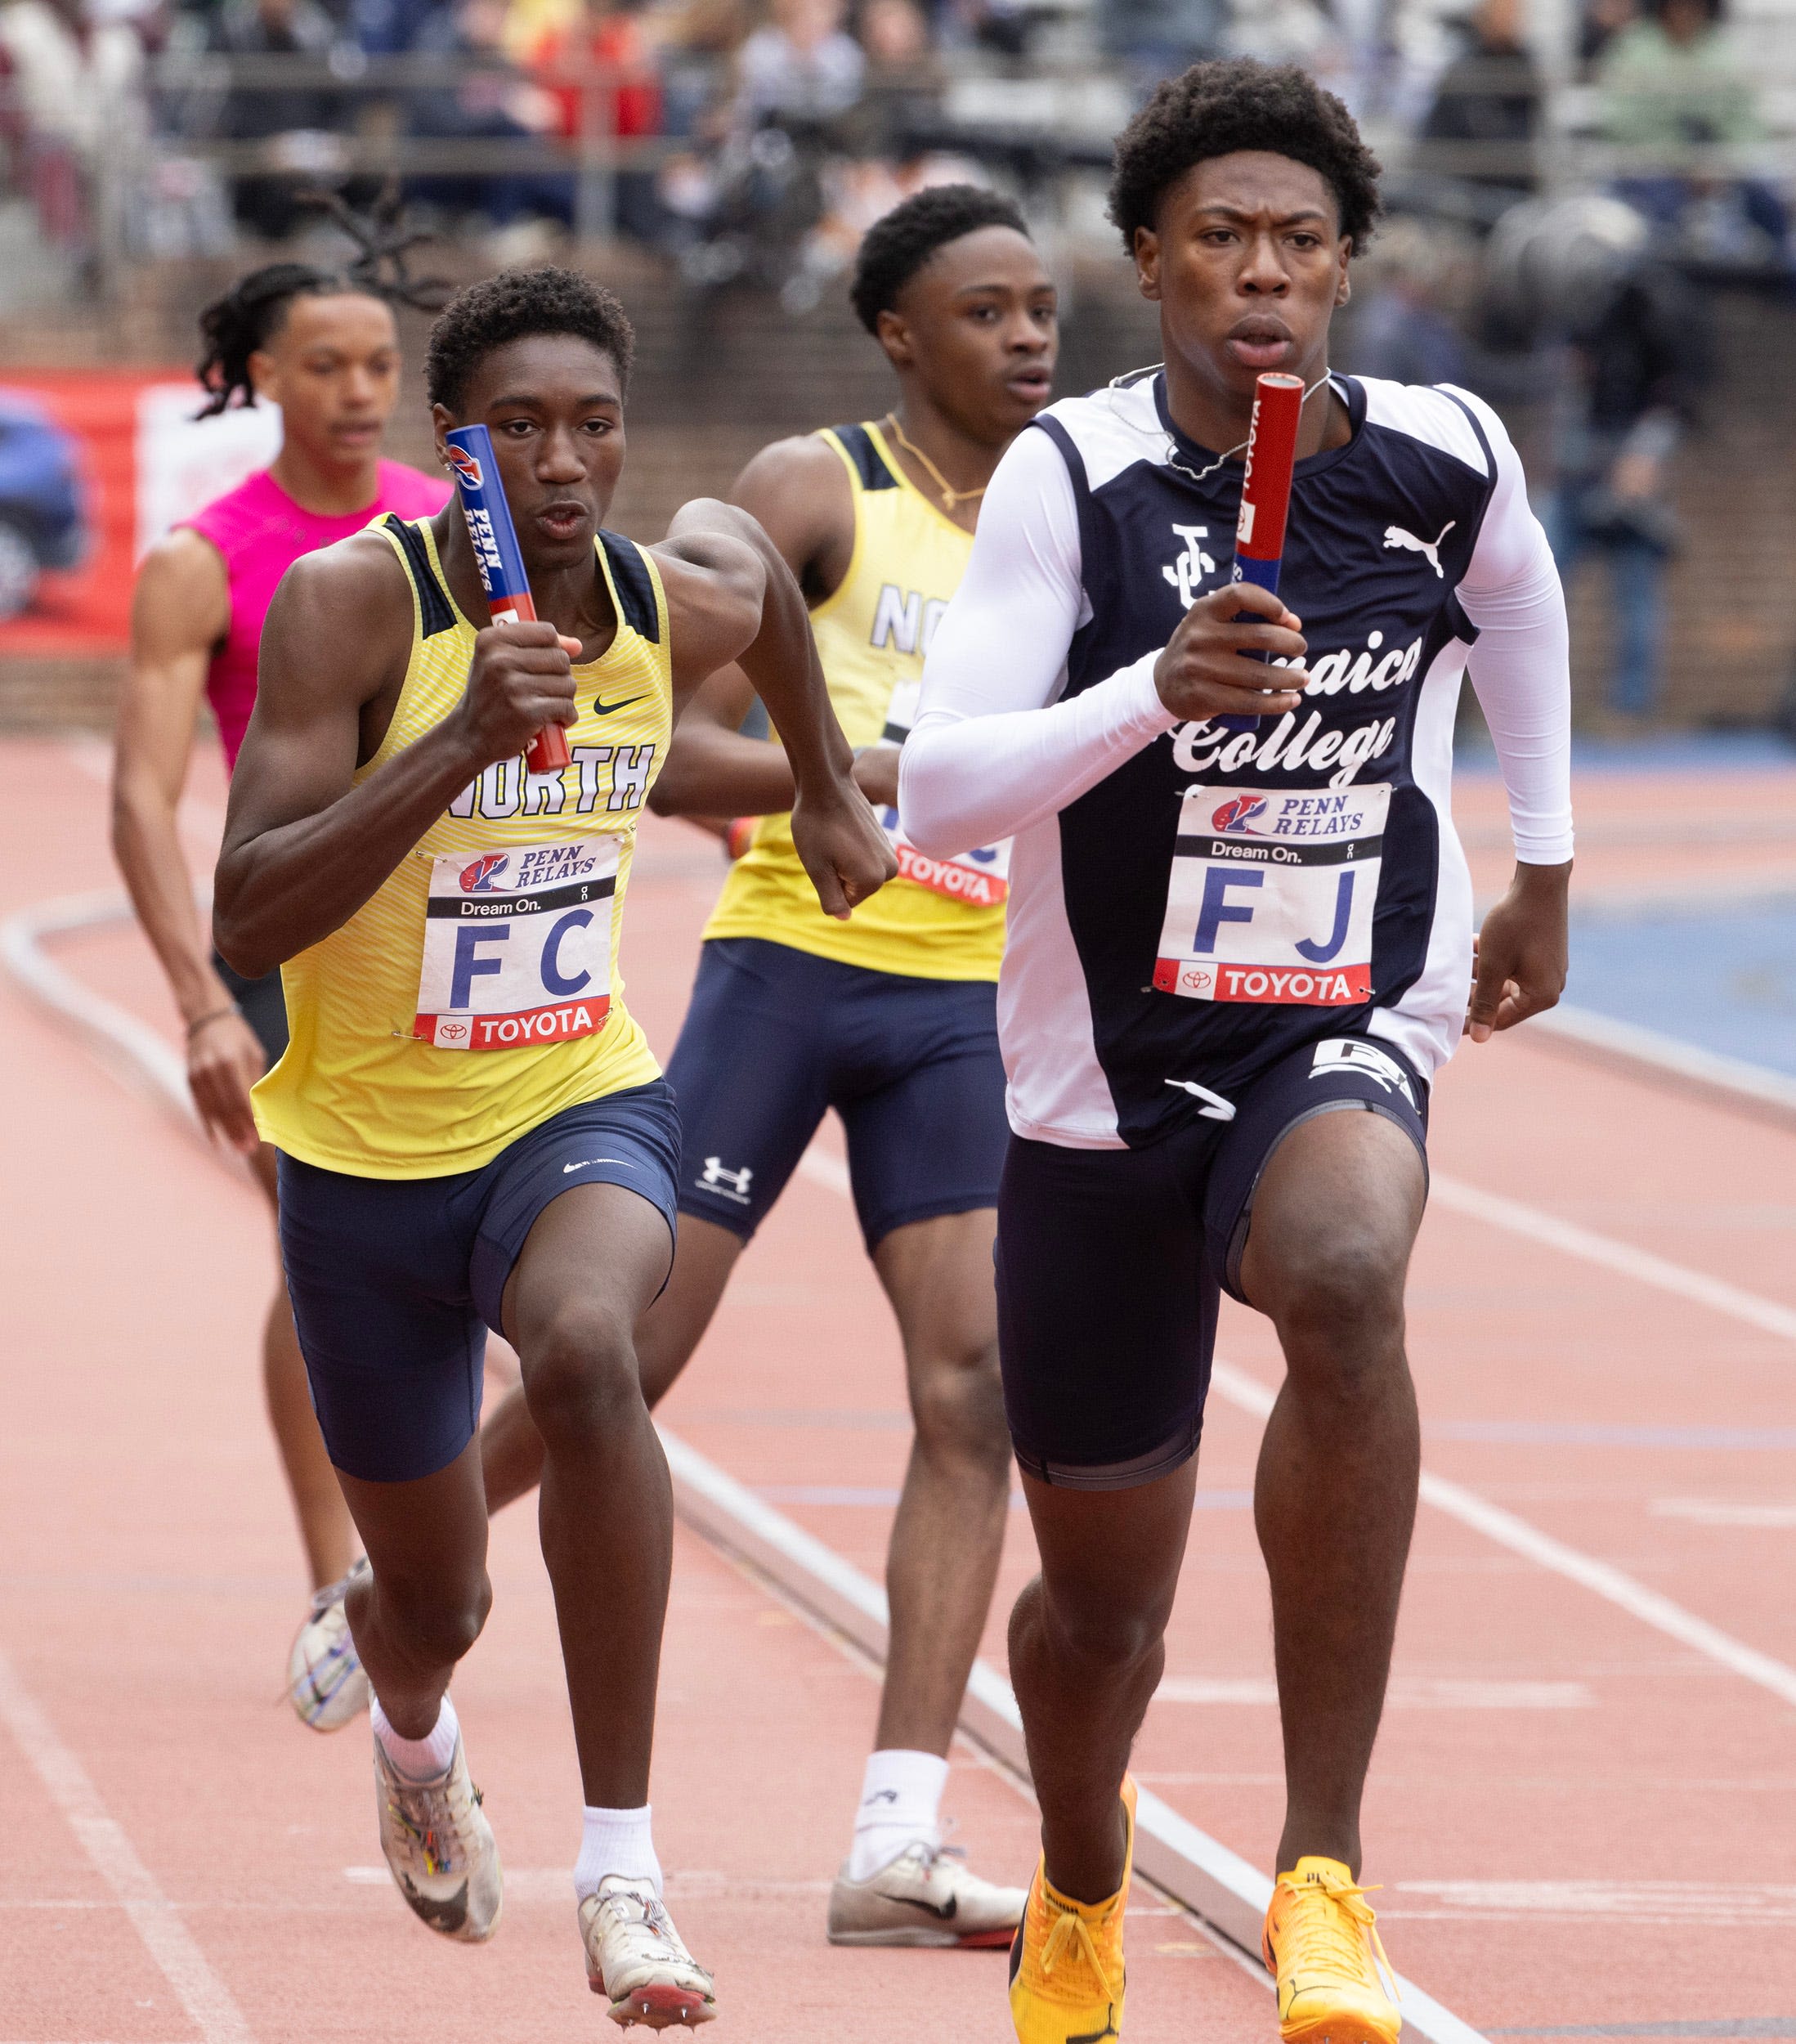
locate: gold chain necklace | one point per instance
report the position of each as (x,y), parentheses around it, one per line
(951,497)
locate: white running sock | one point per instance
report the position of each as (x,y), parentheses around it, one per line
(418,1760)
(616,1842)
(900,1795)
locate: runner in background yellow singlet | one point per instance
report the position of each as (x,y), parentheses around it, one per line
(872,633)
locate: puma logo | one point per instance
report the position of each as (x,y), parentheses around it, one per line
(1097,2037)
(1408,543)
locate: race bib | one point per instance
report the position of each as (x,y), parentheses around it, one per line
(517,945)
(1271,896)
(982,877)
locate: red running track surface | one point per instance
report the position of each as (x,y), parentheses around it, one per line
(1578,1819)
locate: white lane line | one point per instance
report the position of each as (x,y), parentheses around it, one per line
(169,1942)
(1609,1583)
(1650,1054)
(1769,1316)
(129,1047)
(1405,1693)
(1660,1902)
(1724,1511)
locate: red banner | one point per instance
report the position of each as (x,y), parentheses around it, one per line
(94,467)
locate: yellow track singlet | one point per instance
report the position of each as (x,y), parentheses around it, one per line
(477,993)
(944,918)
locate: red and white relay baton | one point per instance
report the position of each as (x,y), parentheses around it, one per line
(1266,491)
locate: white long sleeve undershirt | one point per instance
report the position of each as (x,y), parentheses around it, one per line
(992,751)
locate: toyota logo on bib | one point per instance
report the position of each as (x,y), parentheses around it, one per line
(479,877)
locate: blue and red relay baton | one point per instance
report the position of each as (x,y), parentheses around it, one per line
(500,562)
(1266,491)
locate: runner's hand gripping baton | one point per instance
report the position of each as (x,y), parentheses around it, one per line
(500,564)
(1266,491)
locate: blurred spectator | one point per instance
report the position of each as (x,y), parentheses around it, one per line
(1154,39)
(296,117)
(1399,328)
(1638,357)
(1673,82)
(622,99)
(72,99)
(802,66)
(486,98)
(1601,22)
(901,90)
(1483,127)
(1673,86)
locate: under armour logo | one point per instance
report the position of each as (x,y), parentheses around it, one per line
(1185,573)
(1408,543)
(731,1185)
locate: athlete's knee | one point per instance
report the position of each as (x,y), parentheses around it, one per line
(1105,1629)
(434,1622)
(957,1403)
(580,1374)
(1338,1303)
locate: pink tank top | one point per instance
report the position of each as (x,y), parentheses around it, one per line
(261,532)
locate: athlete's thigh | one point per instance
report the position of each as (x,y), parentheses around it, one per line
(749,1073)
(600,1253)
(1106,1310)
(425,1538)
(1325,1168)
(578,1212)
(937,1274)
(674,1325)
(1111,1555)
(377,1273)
(919,1088)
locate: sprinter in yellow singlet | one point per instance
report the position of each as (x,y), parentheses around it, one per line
(888,1018)
(472,1132)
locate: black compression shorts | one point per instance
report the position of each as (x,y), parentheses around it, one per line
(1110,1263)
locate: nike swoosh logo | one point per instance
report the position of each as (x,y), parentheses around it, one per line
(611,709)
(944,1911)
(589,1162)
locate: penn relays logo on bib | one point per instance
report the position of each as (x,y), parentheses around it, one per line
(1238,814)
(480,876)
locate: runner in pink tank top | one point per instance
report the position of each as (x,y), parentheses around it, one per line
(260,531)
(325,347)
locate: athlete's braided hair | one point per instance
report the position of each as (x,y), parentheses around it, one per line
(898,244)
(255,307)
(1217,107)
(513,306)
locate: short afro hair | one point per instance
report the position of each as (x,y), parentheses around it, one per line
(512,306)
(1215,108)
(898,244)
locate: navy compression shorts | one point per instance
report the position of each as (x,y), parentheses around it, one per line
(1111,1262)
(775,1038)
(395,1281)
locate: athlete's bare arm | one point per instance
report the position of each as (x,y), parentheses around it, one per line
(180,611)
(734,597)
(798,490)
(304,847)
